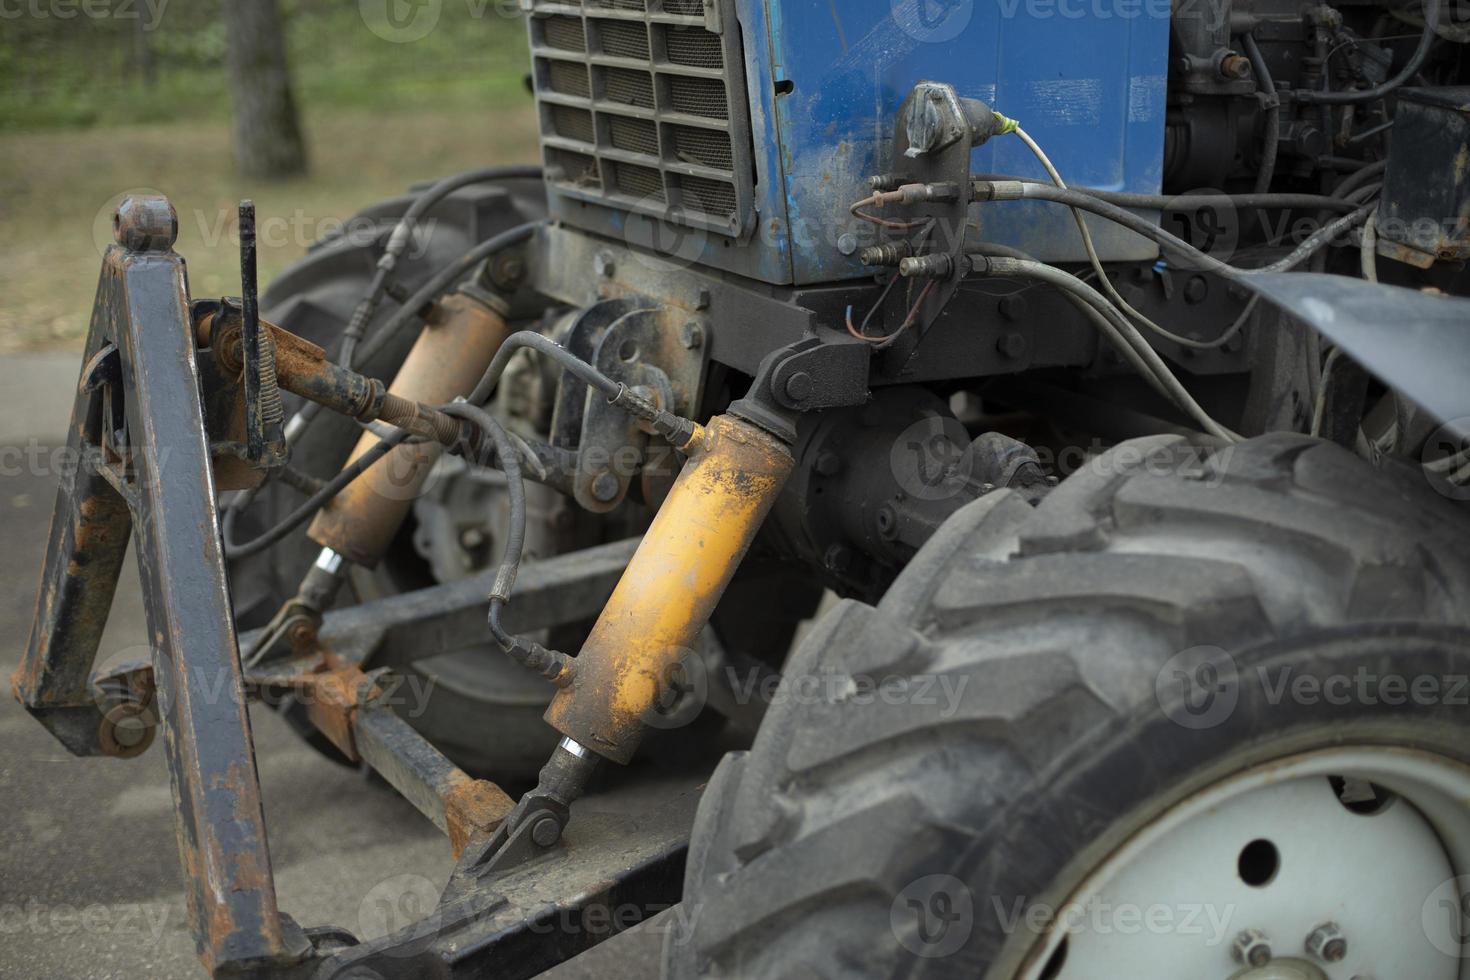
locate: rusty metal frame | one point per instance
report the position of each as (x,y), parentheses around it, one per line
(142,443)
(153,431)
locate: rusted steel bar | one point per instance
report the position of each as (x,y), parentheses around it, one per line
(90,527)
(154,451)
(463,807)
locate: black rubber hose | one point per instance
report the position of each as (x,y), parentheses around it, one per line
(550,664)
(441,282)
(399,239)
(544,345)
(1410,69)
(1272,144)
(316,501)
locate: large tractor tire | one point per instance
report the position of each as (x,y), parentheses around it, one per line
(1200,713)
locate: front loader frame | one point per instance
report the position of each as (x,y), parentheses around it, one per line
(153,450)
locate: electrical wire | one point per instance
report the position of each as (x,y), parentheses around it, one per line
(1416,61)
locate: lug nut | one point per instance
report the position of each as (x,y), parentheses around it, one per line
(1328,942)
(1252,948)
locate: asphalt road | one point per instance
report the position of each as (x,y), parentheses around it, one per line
(90,883)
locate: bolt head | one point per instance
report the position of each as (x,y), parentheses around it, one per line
(1014,308)
(1012,345)
(1327,942)
(546,832)
(847,244)
(1196,289)
(604,265)
(691,335)
(799,386)
(703,300)
(828,464)
(605,487)
(1252,948)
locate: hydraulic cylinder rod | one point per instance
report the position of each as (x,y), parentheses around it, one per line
(677,576)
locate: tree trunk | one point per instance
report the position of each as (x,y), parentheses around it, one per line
(143,60)
(268,142)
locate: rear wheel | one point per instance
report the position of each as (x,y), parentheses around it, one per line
(1199,714)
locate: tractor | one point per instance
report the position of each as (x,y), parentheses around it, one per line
(991,473)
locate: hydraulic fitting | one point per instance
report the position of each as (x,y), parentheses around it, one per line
(448,359)
(675,579)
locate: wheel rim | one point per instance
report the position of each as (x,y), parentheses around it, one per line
(1295,870)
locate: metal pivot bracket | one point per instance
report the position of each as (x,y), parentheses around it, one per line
(145,471)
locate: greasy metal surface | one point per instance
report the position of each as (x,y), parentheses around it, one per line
(447,361)
(158,458)
(612,869)
(676,578)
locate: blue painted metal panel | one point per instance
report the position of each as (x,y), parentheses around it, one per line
(1085,77)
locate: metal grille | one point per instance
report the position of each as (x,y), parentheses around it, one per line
(707,147)
(628,87)
(568,78)
(643,108)
(623,39)
(699,97)
(573,123)
(633,135)
(694,46)
(640,182)
(564,33)
(709,196)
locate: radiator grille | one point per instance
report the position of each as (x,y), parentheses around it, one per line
(643,107)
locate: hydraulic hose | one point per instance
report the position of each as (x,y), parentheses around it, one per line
(1411,67)
(553,665)
(1273,113)
(403,233)
(1019,190)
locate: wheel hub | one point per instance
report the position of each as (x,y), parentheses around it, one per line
(1322,867)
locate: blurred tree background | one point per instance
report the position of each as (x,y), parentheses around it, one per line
(99,97)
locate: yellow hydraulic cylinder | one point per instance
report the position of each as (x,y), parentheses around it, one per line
(677,576)
(447,361)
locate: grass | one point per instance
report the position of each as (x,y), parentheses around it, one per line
(77,132)
(57,190)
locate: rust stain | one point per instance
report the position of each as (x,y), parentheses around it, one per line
(473,808)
